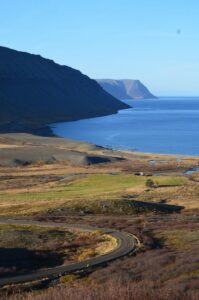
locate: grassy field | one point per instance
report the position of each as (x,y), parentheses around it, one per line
(79,191)
(166,266)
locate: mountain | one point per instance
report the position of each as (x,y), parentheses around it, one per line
(35,91)
(125,89)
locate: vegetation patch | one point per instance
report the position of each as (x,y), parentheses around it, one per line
(181,238)
(76,192)
(68,279)
(46,247)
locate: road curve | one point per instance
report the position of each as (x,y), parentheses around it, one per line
(126,244)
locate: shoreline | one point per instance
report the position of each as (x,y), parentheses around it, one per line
(44,131)
(170,155)
(135,138)
(20,149)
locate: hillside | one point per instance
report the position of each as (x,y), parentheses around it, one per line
(35,91)
(125,89)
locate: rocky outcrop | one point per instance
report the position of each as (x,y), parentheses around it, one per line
(125,89)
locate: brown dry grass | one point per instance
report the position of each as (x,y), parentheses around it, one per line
(43,247)
(187,195)
(166,268)
(7,146)
(111,290)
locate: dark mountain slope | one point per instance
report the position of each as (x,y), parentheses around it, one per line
(35,91)
(125,89)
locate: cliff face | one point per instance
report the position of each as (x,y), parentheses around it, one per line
(125,89)
(35,91)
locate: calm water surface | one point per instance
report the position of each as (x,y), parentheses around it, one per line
(164,125)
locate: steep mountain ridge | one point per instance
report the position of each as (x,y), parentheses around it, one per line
(125,88)
(35,91)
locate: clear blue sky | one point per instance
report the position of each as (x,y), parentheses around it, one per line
(155,41)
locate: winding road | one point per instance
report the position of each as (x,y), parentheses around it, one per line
(126,244)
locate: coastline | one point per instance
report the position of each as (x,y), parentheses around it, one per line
(46,128)
(20,149)
(165,127)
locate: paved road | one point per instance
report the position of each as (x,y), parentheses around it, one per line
(126,244)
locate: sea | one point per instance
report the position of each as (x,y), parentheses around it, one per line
(167,125)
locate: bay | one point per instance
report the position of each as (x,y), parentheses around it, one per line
(167,125)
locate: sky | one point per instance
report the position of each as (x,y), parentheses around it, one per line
(151,40)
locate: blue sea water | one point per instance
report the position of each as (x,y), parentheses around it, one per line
(164,125)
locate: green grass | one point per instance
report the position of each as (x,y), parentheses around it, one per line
(171,180)
(92,187)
